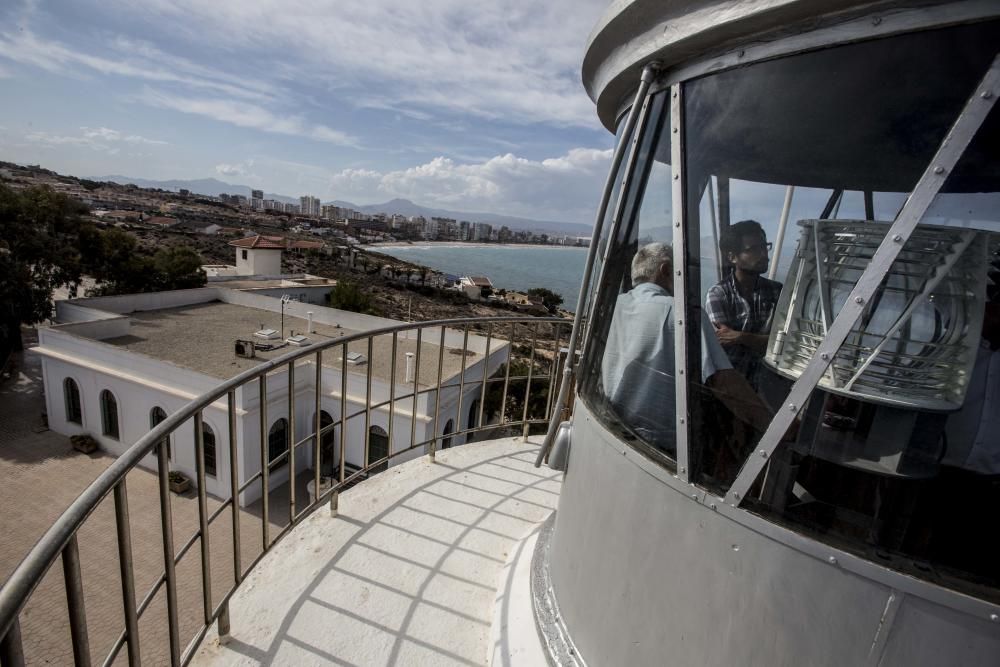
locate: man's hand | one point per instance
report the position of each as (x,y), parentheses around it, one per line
(728,337)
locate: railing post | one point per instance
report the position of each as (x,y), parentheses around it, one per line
(206,554)
(392,396)
(127,573)
(506,375)
(343,412)
(368,405)
(486,373)
(234,490)
(223,624)
(265,464)
(334,503)
(318,426)
(416,384)
(461,382)
(291,442)
(11,649)
(75,603)
(167,531)
(527,386)
(437,397)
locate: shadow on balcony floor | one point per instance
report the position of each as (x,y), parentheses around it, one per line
(407,574)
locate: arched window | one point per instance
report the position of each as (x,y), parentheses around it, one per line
(71,393)
(208,438)
(157,415)
(448,428)
(378,447)
(328,461)
(277,442)
(109,415)
(474,414)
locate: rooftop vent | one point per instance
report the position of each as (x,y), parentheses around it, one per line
(299,340)
(245,349)
(266,334)
(356,358)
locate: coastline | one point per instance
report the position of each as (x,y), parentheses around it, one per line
(466,244)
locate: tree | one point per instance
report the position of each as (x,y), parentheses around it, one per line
(119,266)
(348,296)
(39,236)
(179,268)
(550,299)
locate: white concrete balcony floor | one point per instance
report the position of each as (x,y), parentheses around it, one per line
(408,573)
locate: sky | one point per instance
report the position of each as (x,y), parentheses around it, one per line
(472,106)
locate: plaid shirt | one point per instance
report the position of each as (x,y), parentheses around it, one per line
(726,306)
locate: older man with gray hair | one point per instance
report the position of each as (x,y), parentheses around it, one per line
(637,371)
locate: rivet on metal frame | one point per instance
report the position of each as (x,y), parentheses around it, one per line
(824,356)
(694,496)
(986,94)
(995,618)
(683,469)
(763,453)
(676,176)
(939,169)
(792,407)
(897,238)
(859,300)
(713,506)
(876,20)
(832,560)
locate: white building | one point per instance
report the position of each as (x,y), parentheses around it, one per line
(259,255)
(114,366)
(476,287)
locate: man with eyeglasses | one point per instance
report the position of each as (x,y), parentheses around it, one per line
(741,305)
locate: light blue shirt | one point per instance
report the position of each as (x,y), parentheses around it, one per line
(637,372)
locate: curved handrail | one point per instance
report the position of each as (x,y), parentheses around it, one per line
(25,578)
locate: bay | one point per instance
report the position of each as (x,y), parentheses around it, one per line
(513,267)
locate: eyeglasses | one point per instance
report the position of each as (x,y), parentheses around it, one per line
(759,248)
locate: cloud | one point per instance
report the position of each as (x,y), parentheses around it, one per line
(128,59)
(98,139)
(243,114)
(561,188)
(236,169)
(506,59)
(107,134)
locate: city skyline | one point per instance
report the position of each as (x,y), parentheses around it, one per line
(472,109)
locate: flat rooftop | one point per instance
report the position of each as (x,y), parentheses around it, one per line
(202,337)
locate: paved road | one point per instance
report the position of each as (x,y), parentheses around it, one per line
(42,475)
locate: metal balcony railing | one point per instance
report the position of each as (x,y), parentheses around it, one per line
(540,357)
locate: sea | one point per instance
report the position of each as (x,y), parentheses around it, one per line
(514,267)
(521,267)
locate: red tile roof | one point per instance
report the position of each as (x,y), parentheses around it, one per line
(265,242)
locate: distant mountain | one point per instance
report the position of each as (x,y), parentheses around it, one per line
(214,187)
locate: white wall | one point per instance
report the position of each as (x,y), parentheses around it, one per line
(258,262)
(139,383)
